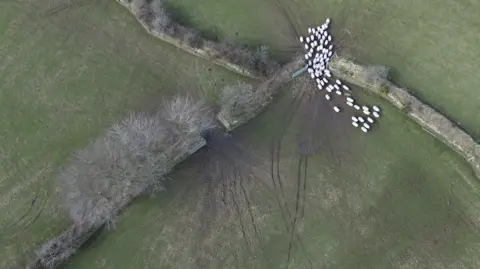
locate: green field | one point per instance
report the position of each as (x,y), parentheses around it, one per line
(395,198)
(65,78)
(426,44)
(372,201)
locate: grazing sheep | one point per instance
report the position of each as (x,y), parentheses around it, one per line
(366,112)
(327,96)
(354,119)
(364,129)
(327,21)
(349,103)
(309,30)
(376,108)
(306,46)
(301,39)
(336,109)
(366,125)
(345,87)
(338,92)
(330,48)
(320,86)
(369,119)
(365,108)
(375,114)
(336,87)
(312,75)
(325,80)
(354,123)
(350,99)
(360,119)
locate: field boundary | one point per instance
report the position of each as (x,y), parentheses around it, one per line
(207,51)
(431,120)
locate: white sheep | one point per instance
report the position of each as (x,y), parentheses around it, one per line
(369,119)
(375,114)
(360,119)
(364,129)
(338,92)
(354,119)
(366,125)
(354,123)
(327,96)
(350,99)
(376,108)
(349,103)
(336,109)
(366,112)
(301,39)
(345,87)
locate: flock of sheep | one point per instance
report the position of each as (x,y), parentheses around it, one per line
(319,47)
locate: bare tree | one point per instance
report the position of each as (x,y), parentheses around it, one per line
(240,102)
(376,75)
(185,119)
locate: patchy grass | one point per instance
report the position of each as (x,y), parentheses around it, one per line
(68,70)
(425,46)
(396,198)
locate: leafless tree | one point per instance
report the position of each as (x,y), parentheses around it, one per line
(185,119)
(240,102)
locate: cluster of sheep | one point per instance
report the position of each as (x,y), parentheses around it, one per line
(357,121)
(319,49)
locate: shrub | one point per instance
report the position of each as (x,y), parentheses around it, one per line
(263,63)
(376,75)
(384,90)
(406,109)
(240,101)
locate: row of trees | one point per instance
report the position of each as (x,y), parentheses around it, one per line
(130,159)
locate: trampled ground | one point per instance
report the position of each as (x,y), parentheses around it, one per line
(395,198)
(431,48)
(68,70)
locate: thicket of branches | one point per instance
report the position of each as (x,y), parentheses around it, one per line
(258,59)
(160,20)
(131,158)
(241,101)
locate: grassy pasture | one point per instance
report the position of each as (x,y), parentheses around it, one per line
(68,70)
(432,48)
(372,201)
